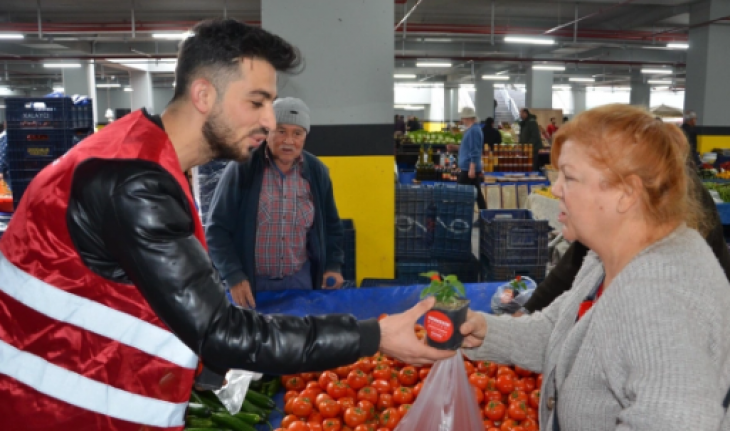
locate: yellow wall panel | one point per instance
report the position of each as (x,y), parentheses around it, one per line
(706,143)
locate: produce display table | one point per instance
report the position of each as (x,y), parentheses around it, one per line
(363,303)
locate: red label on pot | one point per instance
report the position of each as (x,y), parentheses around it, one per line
(438,326)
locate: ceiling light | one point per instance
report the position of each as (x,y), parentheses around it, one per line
(58,89)
(530,40)
(442,64)
(658,81)
(9,36)
(562,87)
(128,89)
(657,71)
(404,75)
(548,67)
(678,45)
(661,88)
(582,79)
(467,86)
(495,77)
(117,85)
(172,36)
(61,65)
(437,39)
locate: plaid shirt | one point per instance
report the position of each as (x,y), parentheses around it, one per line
(286,213)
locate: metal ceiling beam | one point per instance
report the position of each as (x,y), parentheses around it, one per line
(600,11)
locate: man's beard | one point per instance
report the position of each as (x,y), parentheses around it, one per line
(221,139)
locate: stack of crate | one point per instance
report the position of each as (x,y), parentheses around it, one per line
(434,231)
(40,130)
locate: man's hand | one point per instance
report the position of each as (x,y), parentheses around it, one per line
(472,171)
(474,329)
(241,294)
(338,280)
(398,339)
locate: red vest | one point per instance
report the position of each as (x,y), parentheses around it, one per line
(78,351)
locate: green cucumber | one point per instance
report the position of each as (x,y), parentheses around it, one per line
(231,422)
(194,398)
(260,400)
(272,388)
(192,421)
(199,410)
(211,400)
(248,407)
(249,418)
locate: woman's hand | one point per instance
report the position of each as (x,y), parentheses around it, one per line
(474,330)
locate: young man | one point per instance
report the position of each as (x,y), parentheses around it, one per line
(530,134)
(273,222)
(108,299)
(470,154)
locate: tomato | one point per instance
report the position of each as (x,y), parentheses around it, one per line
(530,384)
(354,416)
(298,426)
(469,368)
(495,410)
(516,396)
(308,377)
(423,373)
(357,379)
(505,384)
(342,372)
(382,359)
(494,429)
(365,364)
(389,418)
(336,390)
(403,409)
(488,423)
(394,381)
(534,399)
(530,424)
(517,411)
(518,428)
(532,414)
(367,407)
(493,396)
(382,386)
(288,405)
(368,393)
(385,401)
(294,384)
(479,395)
(509,425)
(312,394)
(417,389)
(314,384)
(503,369)
(315,416)
(381,372)
(289,395)
(333,424)
(403,395)
(487,367)
(522,372)
(479,380)
(328,408)
(315,426)
(327,377)
(351,392)
(382,429)
(491,384)
(321,397)
(408,376)
(520,385)
(301,407)
(365,427)
(345,403)
(288,419)
(538,383)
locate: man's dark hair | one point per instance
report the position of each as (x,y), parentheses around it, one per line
(526,111)
(217,45)
(489,122)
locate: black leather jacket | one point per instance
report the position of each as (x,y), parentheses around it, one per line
(132,223)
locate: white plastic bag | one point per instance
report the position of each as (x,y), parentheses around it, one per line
(234,392)
(509,300)
(446,402)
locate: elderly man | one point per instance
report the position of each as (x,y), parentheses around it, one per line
(273,223)
(470,154)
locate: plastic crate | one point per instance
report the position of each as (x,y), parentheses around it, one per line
(415,220)
(48,113)
(26,146)
(467,271)
(509,272)
(349,247)
(513,237)
(454,221)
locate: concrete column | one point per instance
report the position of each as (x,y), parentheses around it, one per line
(484,96)
(539,87)
(82,82)
(579,99)
(142,96)
(708,62)
(350,95)
(451,104)
(640,90)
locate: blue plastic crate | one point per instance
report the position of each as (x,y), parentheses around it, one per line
(513,237)
(466,270)
(48,113)
(349,247)
(415,221)
(28,145)
(724,211)
(509,272)
(454,221)
(406,176)
(18,187)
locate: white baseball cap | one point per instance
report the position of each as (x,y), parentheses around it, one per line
(467,112)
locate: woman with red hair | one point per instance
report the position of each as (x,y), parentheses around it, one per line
(642,340)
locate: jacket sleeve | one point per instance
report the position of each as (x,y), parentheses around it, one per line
(223,217)
(334,233)
(475,147)
(560,278)
(148,229)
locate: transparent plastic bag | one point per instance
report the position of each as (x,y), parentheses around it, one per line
(234,392)
(446,402)
(508,300)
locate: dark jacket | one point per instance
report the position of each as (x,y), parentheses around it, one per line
(131,223)
(233,216)
(561,277)
(530,133)
(492,136)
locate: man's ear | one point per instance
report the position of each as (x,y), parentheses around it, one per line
(203,95)
(631,190)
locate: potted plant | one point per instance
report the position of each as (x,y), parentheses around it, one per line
(443,321)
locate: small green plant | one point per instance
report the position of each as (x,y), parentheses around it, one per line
(446,290)
(518,284)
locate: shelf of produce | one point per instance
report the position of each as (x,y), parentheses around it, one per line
(362,303)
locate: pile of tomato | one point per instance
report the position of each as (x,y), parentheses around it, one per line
(375,393)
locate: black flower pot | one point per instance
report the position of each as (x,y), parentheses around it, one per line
(443,323)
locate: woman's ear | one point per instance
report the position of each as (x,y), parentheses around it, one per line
(631,189)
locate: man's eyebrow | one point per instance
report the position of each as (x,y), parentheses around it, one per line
(265,94)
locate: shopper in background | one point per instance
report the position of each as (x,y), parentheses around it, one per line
(273,222)
(689,126)
(646,322)
(492,136)
(108,299)
(530,134)
(551,129)
(470,154)
(400,124)
(4,166)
